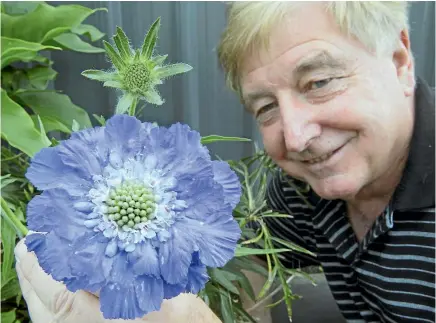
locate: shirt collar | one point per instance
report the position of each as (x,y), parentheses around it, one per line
(417,186)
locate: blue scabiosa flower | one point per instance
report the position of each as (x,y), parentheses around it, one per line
(133,211)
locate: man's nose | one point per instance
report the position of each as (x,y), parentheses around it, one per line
(299,126)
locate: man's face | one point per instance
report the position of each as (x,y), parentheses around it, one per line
(330,112)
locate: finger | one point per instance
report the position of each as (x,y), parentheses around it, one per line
(37,311)
(65,306)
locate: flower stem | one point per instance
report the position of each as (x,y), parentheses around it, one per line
(12,218)
(132,109)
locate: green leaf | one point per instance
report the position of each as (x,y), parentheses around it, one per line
(150,39)
(56,106)
(75,127)
(51,124)
(99,75)
(18,128)
(8,317)
(115,58)
(171,70)
(152,96)
(45,22)
(159,59)
(11,287)
(73,42)
(7,179)
(122,43)
(227,308)
(124,103)
(39,76)
(88,30)
(243,251)
(214,138)
(225,279)
(293,246)
(8,244)
(114,84)
(13,50)
(100,119)
(245,284)
(249,264)
(17,8)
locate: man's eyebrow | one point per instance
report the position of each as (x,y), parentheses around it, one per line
(321,60)
(252,97)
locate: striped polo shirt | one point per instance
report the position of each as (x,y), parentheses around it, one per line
(390,275)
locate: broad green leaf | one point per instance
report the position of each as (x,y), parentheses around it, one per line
(8,244)
(99,75)
(51,124)
(8,317)
(215,138)
(89,31)
(39,76)
(115,58)
(17,8)
(122,43)
(150,39)
(18,128)
(73,42)
(171,70)
(225,279)
(13,50)
(243,251)
(10,288)
(45,22)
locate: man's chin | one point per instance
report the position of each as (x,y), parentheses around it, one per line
(336,189)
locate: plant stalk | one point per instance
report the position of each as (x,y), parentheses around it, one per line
(12,218)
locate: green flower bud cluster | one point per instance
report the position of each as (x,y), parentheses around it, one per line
(136,77)
(130,205)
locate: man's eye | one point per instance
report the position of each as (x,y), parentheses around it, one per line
(264,109)
(318,84)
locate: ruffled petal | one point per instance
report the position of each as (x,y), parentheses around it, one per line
(197,275)
(122,132)
(47,170)
(144,260)
(53,211)
(150,293)
(119,301)
(175,256)
(228,179)
(171,290)
(215,236)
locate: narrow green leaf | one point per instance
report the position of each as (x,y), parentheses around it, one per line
(100,119)
(171,70)
(7,179)
(226,308)
(114,84)
(214,138)
(11,287)
(75,127)
(8,317)
(293,246)
(99,75)
(115,58)
(122,43)
(243,251)
(56,106)
(73,42)
(224,279)
(265,288)
(152,96)
(88,30)
(124,103)
(159,59)
(245,284)
(18,128)
(150,39)
(8,244)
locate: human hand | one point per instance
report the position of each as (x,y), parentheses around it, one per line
(48,301)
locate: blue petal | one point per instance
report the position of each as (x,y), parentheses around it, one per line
(119,301)
(94,138)
(53,211)
(228,179)
(47,170)
(144,260)
(215,236)
(150,293)
(171,291)
(122,131)
(175,256)
(197,276)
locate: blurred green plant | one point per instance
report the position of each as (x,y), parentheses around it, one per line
(30,110)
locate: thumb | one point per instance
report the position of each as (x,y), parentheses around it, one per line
(57,302)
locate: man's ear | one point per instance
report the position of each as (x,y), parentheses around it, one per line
(403,60)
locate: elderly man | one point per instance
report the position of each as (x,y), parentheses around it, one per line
(333,89)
